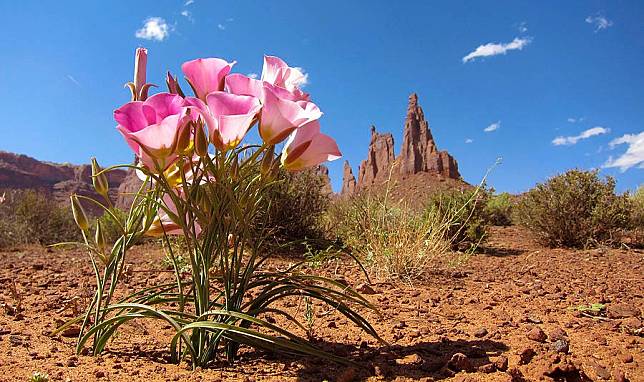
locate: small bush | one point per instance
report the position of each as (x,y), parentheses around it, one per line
(498,210)
(30,217)
(637,213)
(297,204)
(575,209)
(392,239)
(465,212)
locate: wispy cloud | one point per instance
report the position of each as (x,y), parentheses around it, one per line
(221,27)
(304,80)
(523,27)
(188,2)
(568,141)
(469,140)
(187,14)
(575,119)
(634,155)
(154,28)
(495,126)
(72,79)
(252,75)
(599,21)
(493,49)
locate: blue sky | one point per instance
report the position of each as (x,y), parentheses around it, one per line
(545,72)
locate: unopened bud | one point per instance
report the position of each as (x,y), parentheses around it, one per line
(79,214)
(234,169)
(173,85)
(267,160)
(183,139)
(99,237)
(99,179)
(201,142)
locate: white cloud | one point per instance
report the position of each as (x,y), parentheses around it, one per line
(469,140)
(154,28)
(492,49)
(221,27)
(305,78)
(599,21)
(72,79)
(634,155)
(492,127)
(188,2)
(252,75)
(523,27)
(568,141)
(185,13)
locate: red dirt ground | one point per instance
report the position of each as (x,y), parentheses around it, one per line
(503,316)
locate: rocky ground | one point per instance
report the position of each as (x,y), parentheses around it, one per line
(508,314)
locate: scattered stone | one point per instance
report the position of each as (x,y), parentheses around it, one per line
(526,355)
(482,332)
(536,334)
(501,363)
(365,289)
(347,375)
(622,311)
(632,323)
(332,325)
(601,371)
(487,368)
(459,362)
(410,360)
(619,376)
(38,266)
(560,346)
(566,372)
(99,374)
(400,325)
(71,362)
(626,358)
(72,331)
(558,334)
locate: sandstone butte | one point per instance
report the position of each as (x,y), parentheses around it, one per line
(420,166)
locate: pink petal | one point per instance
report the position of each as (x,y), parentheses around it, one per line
(321,148)
(165,104)
(239,84)
(280,116)
(134,116)
(207,74)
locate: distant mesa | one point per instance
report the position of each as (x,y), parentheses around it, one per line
(58,180)
(419,162)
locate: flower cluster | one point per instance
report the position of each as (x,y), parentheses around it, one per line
(167,125)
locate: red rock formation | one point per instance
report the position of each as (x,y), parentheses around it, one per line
(379,159)
(60,180)
(323,172)
(348,180)
(418,154)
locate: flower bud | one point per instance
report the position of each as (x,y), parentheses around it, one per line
(201,142)
(234,169)
(79,214)
(173,85)
(140,64)
(99,237)
(99,179)
(267,160)
(183,139)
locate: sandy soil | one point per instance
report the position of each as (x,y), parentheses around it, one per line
(504,316)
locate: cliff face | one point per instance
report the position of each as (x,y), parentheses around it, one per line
(348,180)
(419,154)
(59,180)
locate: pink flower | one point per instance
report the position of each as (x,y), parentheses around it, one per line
(165,222)
(277,73)
(151,128)
(240,84)
(228,116)
(280,117)
(206,75)
(307,147)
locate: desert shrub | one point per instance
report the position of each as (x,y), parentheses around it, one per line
(464,210)
(297,204)
(112,223)
(575,209)
(637,212)
(392,239)
(498,209)
(30,217)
